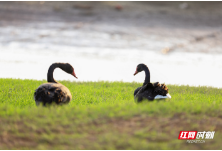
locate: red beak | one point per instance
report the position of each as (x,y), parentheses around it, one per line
(73,73)
(135,72)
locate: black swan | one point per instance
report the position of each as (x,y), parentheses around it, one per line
(150,91)
(54,92)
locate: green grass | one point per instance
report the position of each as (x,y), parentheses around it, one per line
(103,115)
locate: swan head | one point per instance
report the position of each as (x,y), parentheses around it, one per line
(69,69)
(139,68)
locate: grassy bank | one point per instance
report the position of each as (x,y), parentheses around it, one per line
(103,115)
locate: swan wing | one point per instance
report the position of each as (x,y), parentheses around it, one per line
(168,96)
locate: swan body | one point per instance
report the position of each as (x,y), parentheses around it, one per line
(150,91)
(54,92)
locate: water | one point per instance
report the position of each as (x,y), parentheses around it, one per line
(28,51)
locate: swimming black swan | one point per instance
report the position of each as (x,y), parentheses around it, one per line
(54,92)
(149,90)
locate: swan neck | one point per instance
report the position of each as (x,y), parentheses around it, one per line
(147,75)
(50,73)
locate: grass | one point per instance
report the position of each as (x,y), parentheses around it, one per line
(103,115)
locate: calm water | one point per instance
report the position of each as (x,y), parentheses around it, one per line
(27,52)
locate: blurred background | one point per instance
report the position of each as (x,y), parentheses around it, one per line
(180,42)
